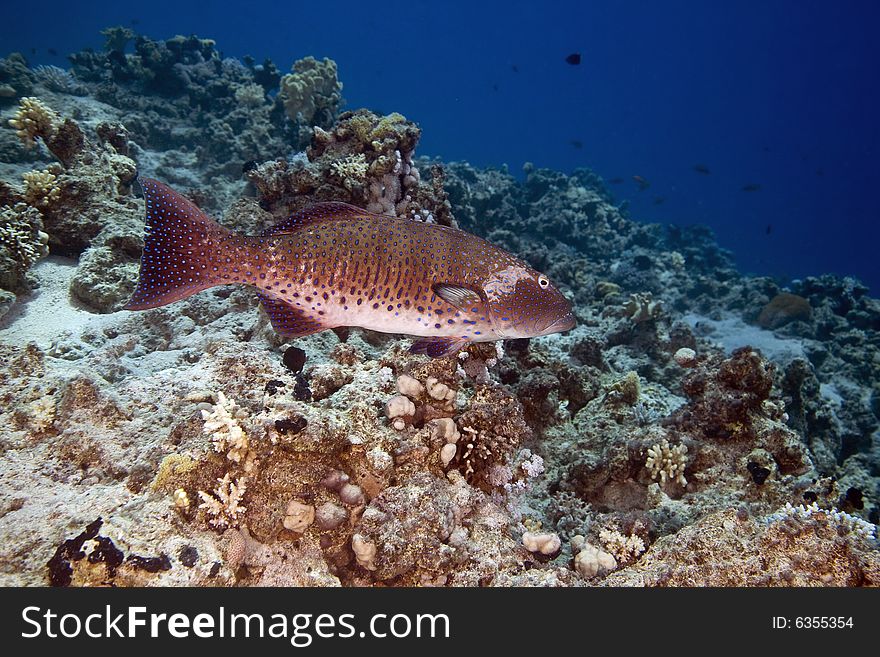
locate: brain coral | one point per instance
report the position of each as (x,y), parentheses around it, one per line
(783,309)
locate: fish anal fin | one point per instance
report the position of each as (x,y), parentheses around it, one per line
(458,295)
(437,347)
(318,213)
(290,321)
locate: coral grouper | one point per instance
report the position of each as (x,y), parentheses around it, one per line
(333,264)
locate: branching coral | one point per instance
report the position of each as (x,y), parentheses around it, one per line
(311,93)
(624,549)
(812,513)
(41,188)
(224,506)
(667,463)
(22,243)
(250,95)
(226,434)
(351,170)
(34,119)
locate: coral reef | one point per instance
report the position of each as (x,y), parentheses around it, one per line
(698,426)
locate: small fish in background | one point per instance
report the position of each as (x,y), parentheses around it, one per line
(615,181)
(495,87)
(52,52)
(659,200)
(769,229)
(702,168)
(577,143)
(334,265)
(574,59)
(820,172)
(751,187)
(33,51)
(135,21)
(642,183)
(514,68)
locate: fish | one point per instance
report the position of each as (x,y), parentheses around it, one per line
(702,168)
(615,181)
(577,143)
(574,59)
(334,265)
(642,183)
(659,200)
(769,229)
(751,187)
(52,52)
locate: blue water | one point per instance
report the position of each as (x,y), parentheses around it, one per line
(778,93)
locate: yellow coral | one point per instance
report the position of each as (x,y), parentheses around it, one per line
(172,469)
(21,234)
(33,119)
(351,170)
(312,87)
(40,188)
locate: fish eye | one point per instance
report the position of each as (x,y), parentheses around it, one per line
(543,282)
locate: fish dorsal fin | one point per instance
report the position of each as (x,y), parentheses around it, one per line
(318,213)
(288,320)
(457,295)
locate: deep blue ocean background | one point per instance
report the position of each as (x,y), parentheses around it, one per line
(781,94)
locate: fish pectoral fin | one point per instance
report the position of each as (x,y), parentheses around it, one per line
(457,295)
(290,321)
(437,347)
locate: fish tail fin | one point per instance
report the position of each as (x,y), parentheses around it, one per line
(182,249)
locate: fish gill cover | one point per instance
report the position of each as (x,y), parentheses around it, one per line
(692,410)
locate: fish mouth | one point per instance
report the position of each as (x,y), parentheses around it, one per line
(564,323)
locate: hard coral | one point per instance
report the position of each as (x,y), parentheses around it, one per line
(22,243)
(34,119)
(783,309)
(311,93)
(667,463)
(365,160)
(224,506)
(41,188)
